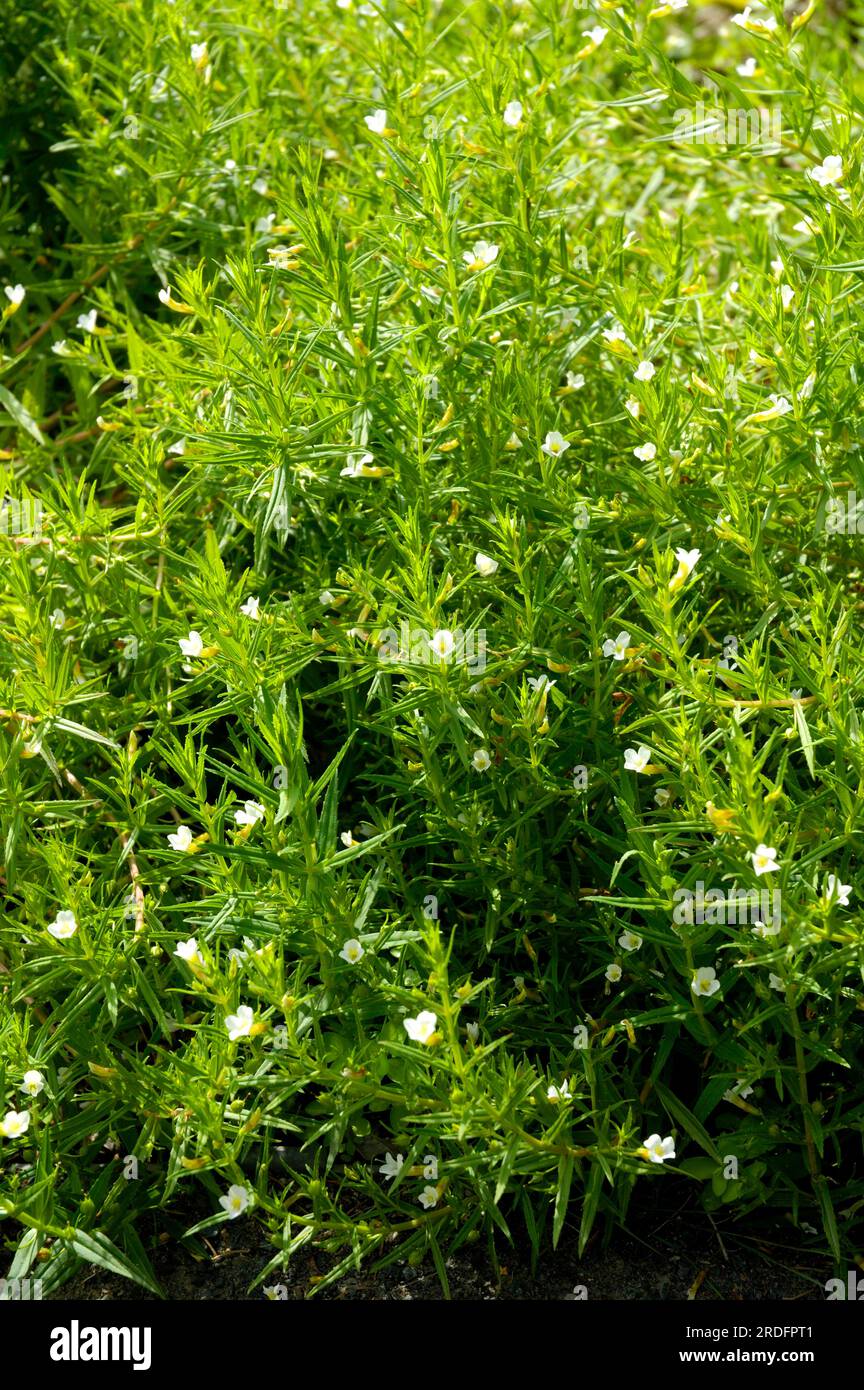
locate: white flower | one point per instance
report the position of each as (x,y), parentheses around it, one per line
(484,564)
(829,171)
(87,322)
(514,442)
(661,796)
(687,562)
(198,54)
(392,1167)
(236,1201)
(64,925)
(165,295)
(787,294)
(251,608)
(754,23)
(595,35)
(356,465)
(16,1123)
(837,892)
(613,973)
(193,645)
(15,294)
(442,643)
(633,407)
(775,982)
(646,452)
(779,406)
(250,814)
(512,114)
(645,371)
(181,839)
(556,1093)
(239,1025)
(629,941)
(352,951)
(377,122)
(188,950)
(659,1149)
(483,255)
(541,684)
(765,929)
(616,647)
(60,348)
(57,619)
(325,598)
(178,449)
(554,444)
(428,1197)
(636,760)
(481,760)
(705,981)
(616,334)
(575,381)
(347,839)
(33,1083)
(747,68)
(764,860)
(421,1028)
(473,1031)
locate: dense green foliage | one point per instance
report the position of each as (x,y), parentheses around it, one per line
(411,257)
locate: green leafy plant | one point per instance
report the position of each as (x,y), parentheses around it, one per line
(429,438)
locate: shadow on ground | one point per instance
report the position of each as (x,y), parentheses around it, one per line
(667,1257)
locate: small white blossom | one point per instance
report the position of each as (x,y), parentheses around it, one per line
(659,1149)
(392,1167)
(33,1083)
(181,839)
(629,941)
(637,759)
(15,1123)
(421,1028)
(250,608)
(837,892)
(554,444)
(188,950)
(616,647)
(236,1201)
(377,122)
(557,1093)
(513,113)
(239,1025)
(829,171)
(764,860)
(64,925)
(352,951)
(484,564)
(705,981)
(646,452)
(193,645)
(483,255)
(250,814)
(481,760)
(645,371)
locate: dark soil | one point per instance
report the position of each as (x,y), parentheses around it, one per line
(667,1256)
